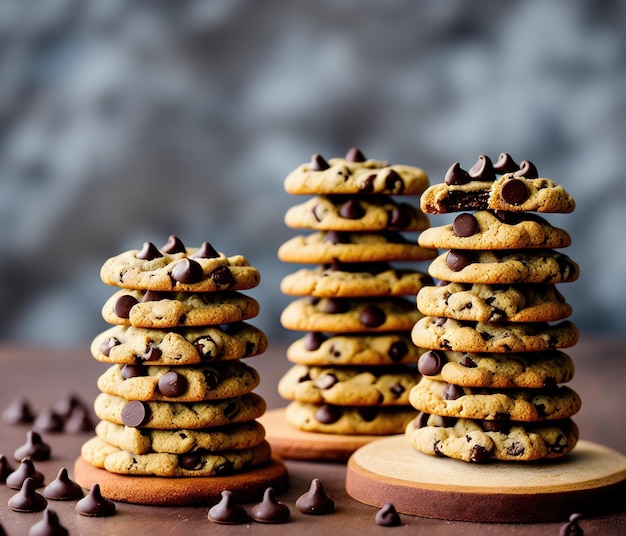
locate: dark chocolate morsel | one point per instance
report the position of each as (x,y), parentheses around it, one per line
(63,488)
(421,420)
(354,155)
(26,469)
(27,499)
(397,389)
(65,405)
(456,176)
(505,164)
(327,414)
(372,316)
(212,379)
(397,351)
(172,384)
(108,345)
(313,340)
(206,251)
(368,184)
(508,217)
(482,170)
(153,295)
(35,448)
(18,412)
(135,413)
(351,210)
(174,245)
(393,182)
(387,516)
(514,191)
(222,276)
(452,392)
(231,409)
(190,461)
(458,259)
(367,413)
(187,271)
(527,170)
(228,511)
(133,371)
(78,421)
(149,252)
(335,306)
(95,505)
(465,225)
(326,381)
(270,510)
(5,468)
(315,501)
(430,363)
(399,217)
(48,525)
(48,420)
(494,425)
(467,361)
(124,304)
(318,163)
(151,353)
(337,237)
(479,454)
(572,528)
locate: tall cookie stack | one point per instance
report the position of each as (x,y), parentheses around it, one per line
(492,385)
(178,400)
(350,372)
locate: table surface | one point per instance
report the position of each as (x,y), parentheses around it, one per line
(45,376)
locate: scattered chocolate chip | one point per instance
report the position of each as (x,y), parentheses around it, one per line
(124,304)
(35,448)
(151,353)
(335,306)
(327,414)
(494,425)
(174,245)
(313,340)
(457,259)
(325,381)
(315,501)
(482,170)
(78,421)
(393,182)
(187,271)
(452,392)
(397,389)
(108,345)
(355,155)
(430,363)
(190,461)
(133,371)
(440,321)
(62,488)
(456,175)
(421,420)
(135,413)
(465,225)
(153,295)
(18,412)
(48,525)
(399,217)
(318,163)
(27,499)
(505,164)
(508,217)
(368,414)
(64,407)
(270,510)
(527,169)
(228,511)
(372,316)
(467,361)
(351,210)
(48,421)
(515,449)
(397,351)
(95,505)
(387,516)
(5,468)
(368,184)
(226,468)
(172,384)
(222,276)
(149,252)
(26,469)
(514,191)
(479,454)
(212,379)
(337,237)
(231,409)
(206,251)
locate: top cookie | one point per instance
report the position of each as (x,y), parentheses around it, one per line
(517,190)
(354,174)
(174,267)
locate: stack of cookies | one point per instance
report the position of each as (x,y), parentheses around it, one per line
(177,400)
(350,372)
(492,382)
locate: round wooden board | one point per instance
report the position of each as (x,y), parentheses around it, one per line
(192,491)
(293,444)
(591,480)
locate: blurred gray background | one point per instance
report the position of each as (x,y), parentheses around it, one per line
(127,121)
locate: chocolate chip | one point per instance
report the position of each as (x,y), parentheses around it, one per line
(368,414)
(397,389)
(172,384)
(187,271)
(399,217)
(572,528)
(508,217)
(151,353)
(222,276)
(63,488)
(48,421)
(133,371)
(505,164)
(153,295)
(212,379)
(26,469)
(514,191)
(313,340)
(174,245)
(335,306)
(190,461)
(372,316)
(135,413)
(516,449)
(456,176)
(458,259)
(64,407)
(465,225)
(228,511)
(354,155)
(430,363)
(327,414)
(315,501)
(482,170)
(421,420)
(18,412)
(494,425)
(452,392)
(368,184)
(397,351)
(467,361)
(351,210)
(28,500)
(206,251)
(527,169)
(148,252)
(95,505)
(387,516)
(226,468)
(270,510)
(479,454)
(35,448)
(48,525)
(124,304)
(393,182)
(318,163)
(231,409)
(78,421)
(5,468)
(326,381)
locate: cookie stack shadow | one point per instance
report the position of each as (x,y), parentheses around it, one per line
(354,363)
(178,415)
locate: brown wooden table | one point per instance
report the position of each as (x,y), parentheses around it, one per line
(45,376)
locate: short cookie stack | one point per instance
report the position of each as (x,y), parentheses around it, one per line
(177,400)
(492,382)
(351,373)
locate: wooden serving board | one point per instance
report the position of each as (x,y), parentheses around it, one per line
(293,444)
(186,491)
(591,480)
